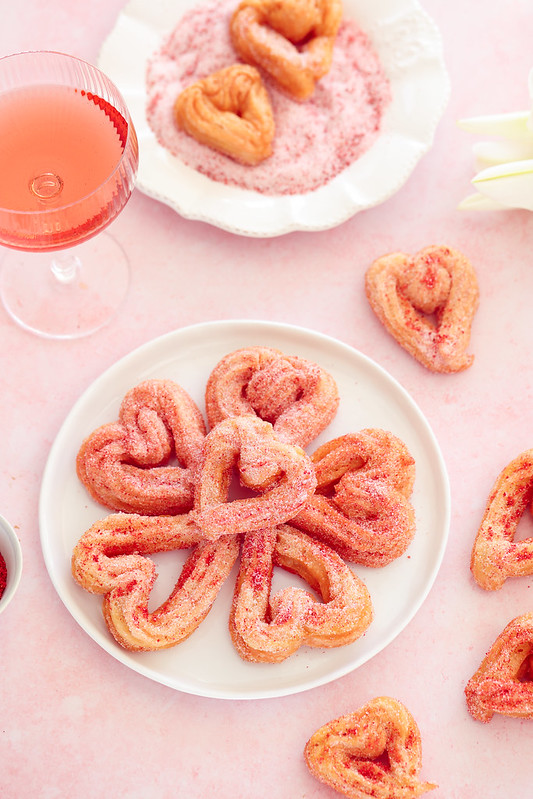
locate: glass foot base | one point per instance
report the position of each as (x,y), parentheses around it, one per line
(65,294)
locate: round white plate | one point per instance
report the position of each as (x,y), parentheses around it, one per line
(410,49)
(206,664)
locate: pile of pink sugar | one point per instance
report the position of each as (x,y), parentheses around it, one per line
(314,140)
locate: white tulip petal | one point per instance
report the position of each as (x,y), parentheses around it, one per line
(504,167)
(510,184)
(479,202)
(514,124)
(494,153)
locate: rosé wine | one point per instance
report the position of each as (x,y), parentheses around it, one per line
(60,155)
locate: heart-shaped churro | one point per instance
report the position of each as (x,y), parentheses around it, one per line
(281,475)
(375,751)
(361,506)
(110,559)
(495,554)
(269,629)
(229,111)
(125,465)
(291,40)
(298,397)
(427,303)
(504,681)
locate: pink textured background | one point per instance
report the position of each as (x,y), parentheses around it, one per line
(76,723)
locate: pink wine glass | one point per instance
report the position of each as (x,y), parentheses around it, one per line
(68,162)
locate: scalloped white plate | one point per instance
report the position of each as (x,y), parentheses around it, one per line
(409,45)
(206,664)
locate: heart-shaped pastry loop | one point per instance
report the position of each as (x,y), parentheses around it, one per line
(375,751)
(504,681)
(295,395)
(125,465)
(291,40)
(270,629)
(229,111)
(495,554)
(438,281)
(361,506)
(110,559)
(281,473)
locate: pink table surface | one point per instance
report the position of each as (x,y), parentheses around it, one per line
(77,723)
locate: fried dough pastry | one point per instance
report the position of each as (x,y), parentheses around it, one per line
(495,554)
(361,506)
(374,752)
(124,465)
(282,476)
(291,40)
(110,559)
(229,111)
(268,628)
(406,292)
(504,681)
(295,395)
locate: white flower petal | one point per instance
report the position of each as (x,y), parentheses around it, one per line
(510,125)
(510,184)
(493,153)
(478,202)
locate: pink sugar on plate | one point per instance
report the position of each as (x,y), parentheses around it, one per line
(314,141)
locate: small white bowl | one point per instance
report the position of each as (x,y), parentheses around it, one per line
(12,552)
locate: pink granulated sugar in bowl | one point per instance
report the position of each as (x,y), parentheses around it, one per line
(314,140)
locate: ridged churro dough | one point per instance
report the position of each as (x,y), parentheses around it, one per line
(110,559)
(495,554)
(229,111)
(298,397)
(253,489)
(125,465)
(292,40)
(269,629)
(361,506)
(280,475)
(373,753)
(406,292)
(504,681)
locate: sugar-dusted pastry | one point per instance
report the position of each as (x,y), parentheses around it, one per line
(291,40)
(504,681)
(269,629)
(373,753)
(495,554)
(111,558)
(298,397)
(128,465)
(229,111)
(427,303)
(280,478)
(361,506)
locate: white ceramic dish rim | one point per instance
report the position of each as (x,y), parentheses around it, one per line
(306,669)
(410,48)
